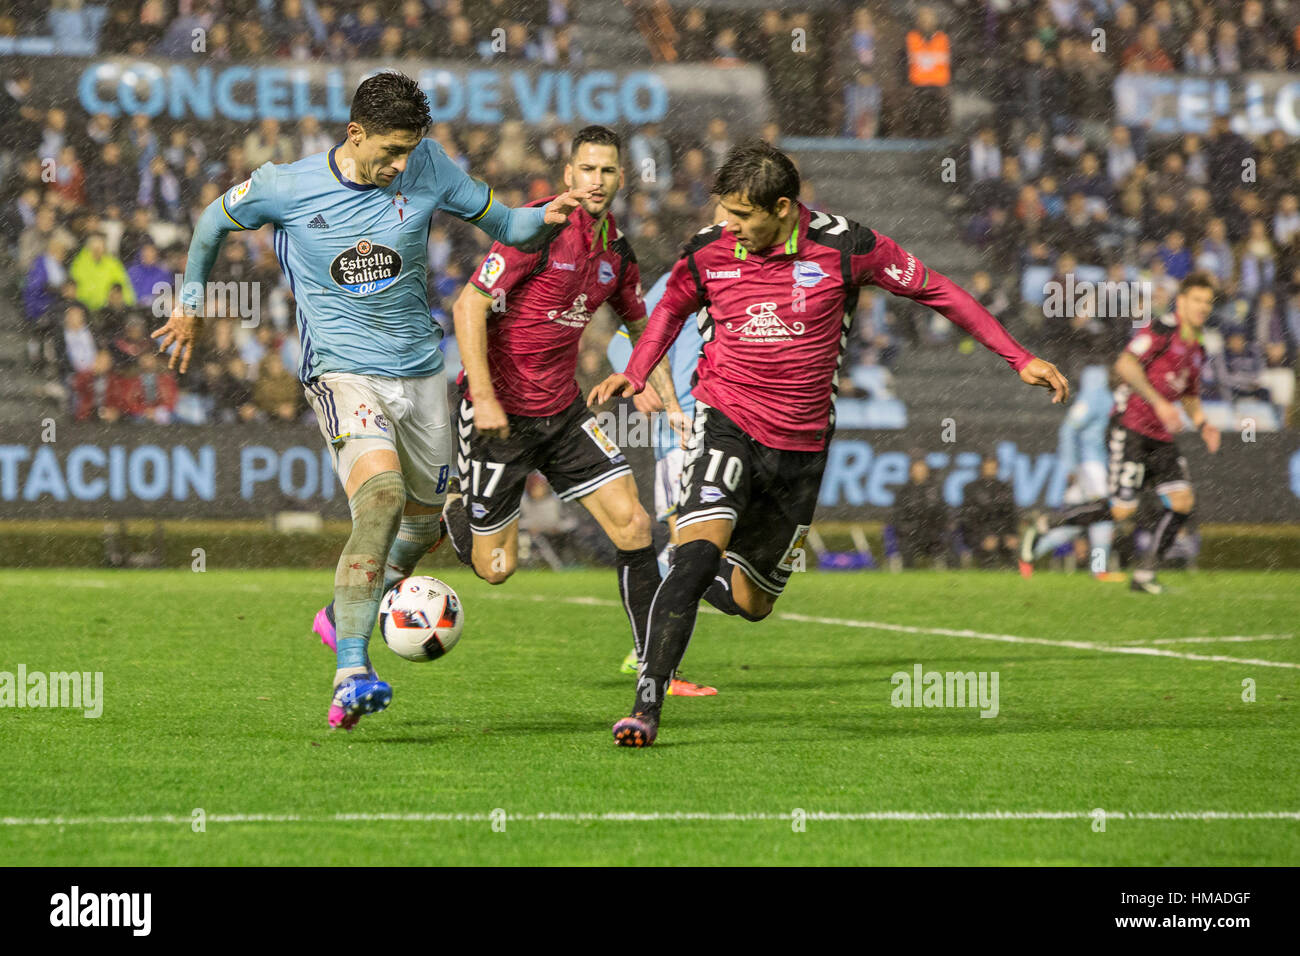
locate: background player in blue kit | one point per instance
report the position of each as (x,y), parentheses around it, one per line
(351,227)
(1082,452)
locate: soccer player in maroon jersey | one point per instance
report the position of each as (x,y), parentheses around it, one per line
(518,325)
(1160,365)
(780,282)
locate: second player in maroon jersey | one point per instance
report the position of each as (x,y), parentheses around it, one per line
(1161,365)
(518,325)
(780,284)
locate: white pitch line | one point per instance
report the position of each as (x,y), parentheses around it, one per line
(876,816)
(950,632)
(1231,639)
(1047,642)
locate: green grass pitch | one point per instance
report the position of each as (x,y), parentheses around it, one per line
(215,695)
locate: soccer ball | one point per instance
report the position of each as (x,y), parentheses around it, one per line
(421,618)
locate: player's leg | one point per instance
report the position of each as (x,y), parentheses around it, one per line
(583,464)
(715,491)
(618,511)
(672,621)
(768,539)
(419,418)
(365,459)
(1169,474)
(482,508)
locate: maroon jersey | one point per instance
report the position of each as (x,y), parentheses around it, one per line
(778,321)
(549,297)
(1173,366)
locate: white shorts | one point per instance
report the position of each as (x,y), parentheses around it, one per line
(359,413)
(668,482)
(1090,483)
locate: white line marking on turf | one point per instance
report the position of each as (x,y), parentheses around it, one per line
(876,816)
(1013,639)
(951,632)
(1231,639)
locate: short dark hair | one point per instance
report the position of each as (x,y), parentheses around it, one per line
(1197,280)
(599,135)
(390,101)
(758,171)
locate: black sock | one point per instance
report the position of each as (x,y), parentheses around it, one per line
(459,535)
(1162,538)
(1084,515)
(720,594)
(672,619)
(638,580)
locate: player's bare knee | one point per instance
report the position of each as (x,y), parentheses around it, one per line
(756,606)
(1122,512)
(636,531)
(1182,501)
(494,571)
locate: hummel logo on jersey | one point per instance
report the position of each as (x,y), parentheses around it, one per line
(318,223)
(763,325)
(722,273)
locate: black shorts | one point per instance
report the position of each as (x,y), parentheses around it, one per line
(568,448)
(1139,461)
(770,494)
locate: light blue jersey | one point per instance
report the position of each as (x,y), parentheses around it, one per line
(1082,436)
(355,255)
(683,356)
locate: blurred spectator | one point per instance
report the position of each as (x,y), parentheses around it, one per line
(147,273)
(277,393)
(78,350)
(929,73)
(1239,366)
(109,180)
(862,100)
(920,518)
(95,272)
(989,518)
(109,322)
(91,388)
(695,44)
(650,160)
(267,144)
(132,343)
(1147,55)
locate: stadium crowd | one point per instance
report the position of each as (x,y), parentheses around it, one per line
(1052,186)
(1055,187)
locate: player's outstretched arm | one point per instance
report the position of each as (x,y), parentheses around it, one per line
(1040,372)
(528,228)
(185,325)
(878,260)
(250,205)
(470,315)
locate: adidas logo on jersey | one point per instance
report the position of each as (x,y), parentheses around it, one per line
(318,223)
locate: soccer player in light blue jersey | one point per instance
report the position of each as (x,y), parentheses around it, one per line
(1082,451)
(351,227)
